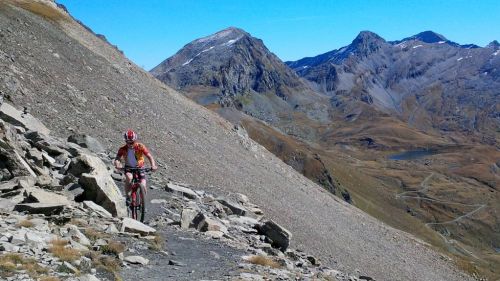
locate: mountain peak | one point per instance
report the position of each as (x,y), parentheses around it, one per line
(366,35)
(494,45)
(428,37)
(366,43)
(230,33)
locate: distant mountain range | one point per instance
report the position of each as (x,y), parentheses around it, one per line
(430,83)
(425,80)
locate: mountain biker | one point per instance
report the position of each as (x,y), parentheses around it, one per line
(133,153)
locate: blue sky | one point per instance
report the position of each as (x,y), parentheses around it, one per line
(150,31)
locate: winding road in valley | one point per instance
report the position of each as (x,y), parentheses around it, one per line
(424,188)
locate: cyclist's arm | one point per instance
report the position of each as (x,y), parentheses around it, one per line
(118,160)
(151,161)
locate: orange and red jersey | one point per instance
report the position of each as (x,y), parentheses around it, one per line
(140,150)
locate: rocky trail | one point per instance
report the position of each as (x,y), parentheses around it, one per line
(62,218)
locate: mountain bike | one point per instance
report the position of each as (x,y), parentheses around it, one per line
(136,208)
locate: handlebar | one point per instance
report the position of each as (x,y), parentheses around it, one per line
(130,169)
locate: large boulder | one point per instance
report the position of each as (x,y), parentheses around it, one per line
(101,189)
(97,184)
(21,118)
(279,236)
(86,163)
(87,142)
(37,195)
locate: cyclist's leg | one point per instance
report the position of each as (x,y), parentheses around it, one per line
(128,184)
(142,183)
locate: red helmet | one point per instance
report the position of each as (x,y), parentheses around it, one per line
(130,136)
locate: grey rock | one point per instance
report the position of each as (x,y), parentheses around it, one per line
(73,191)
(9,185)
(16,165)
(68,267)
(34,239)
(136,260)
(8,247)
(86,163)
(242,220)
(7,205)
(100,242)
(40,208)
(35,155)
(187,217)
(97,184)
(279,236)
(77,246)
(203,223)
(214,234)
(111,229)
(235,208)
(184,191)
(17,117)
(75,234)
(242,198)
(48,158)
(101,189)
(133,226)
(88,142)
(18,238)
(88,277)
(37,195)
(96,208)
(85,264)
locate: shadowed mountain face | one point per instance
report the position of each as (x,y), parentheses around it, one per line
(230,60)
(429,82)
(233,69)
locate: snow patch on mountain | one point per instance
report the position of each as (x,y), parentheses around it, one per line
(232,41)
(190,60)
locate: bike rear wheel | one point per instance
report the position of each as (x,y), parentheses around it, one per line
(133,205)
(142,205)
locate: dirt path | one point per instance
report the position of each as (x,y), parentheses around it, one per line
(198,257)
(424,188)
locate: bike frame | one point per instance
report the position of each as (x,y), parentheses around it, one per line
(137,200)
